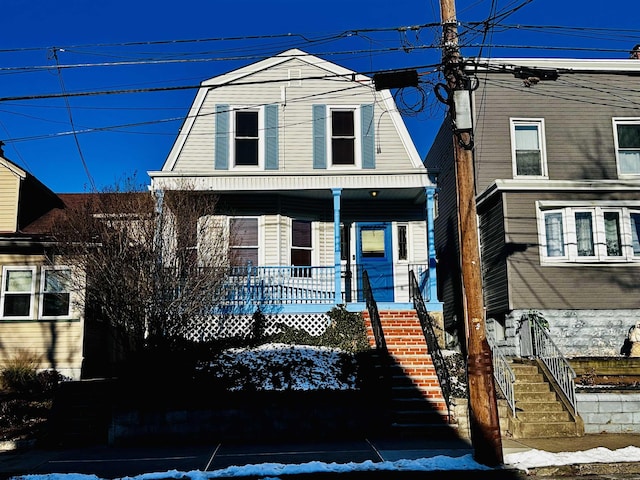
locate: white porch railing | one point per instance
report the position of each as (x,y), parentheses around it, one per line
(503,374)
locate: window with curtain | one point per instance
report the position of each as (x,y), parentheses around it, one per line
(528,148)
(584,234)
(554,231)
(627,135)
(612,234)
(244,240)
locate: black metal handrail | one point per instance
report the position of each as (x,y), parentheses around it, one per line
(374,316)
(432,342)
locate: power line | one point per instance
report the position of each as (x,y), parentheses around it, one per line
(71,122)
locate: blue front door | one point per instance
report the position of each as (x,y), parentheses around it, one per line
(374,254)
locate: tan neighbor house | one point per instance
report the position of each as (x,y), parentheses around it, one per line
(39,312)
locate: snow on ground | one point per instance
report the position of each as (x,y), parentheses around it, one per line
(521,461)
(278,366)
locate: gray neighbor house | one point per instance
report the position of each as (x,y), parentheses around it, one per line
(557,175)
(556,153)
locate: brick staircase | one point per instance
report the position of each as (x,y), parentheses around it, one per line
(539,411)
(417,406)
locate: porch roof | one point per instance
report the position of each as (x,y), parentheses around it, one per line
(402,185)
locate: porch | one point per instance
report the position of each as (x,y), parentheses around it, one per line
(315,289)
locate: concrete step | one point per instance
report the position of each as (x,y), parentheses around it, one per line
(544,417)
(537,387)
(534,396)
(547,430)
(538,407)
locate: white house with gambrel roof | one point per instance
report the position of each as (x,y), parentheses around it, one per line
(315,173)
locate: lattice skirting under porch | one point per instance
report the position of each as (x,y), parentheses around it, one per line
(227,326)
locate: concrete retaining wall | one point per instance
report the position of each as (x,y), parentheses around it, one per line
(610,412)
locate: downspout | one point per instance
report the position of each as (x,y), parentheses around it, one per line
(336,245)
(432,287)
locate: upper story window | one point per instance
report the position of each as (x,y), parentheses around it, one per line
(606,233)
(528,148)
(246,138)
(627,142)
(17,291)
(56,292)
(243,240)
(343,137)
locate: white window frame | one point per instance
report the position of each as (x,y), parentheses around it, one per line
(232,138)
(42,291)
(539,123)
(597,210)
(32,299)
(315,240)
(260,235)
(623,121)
(357,132)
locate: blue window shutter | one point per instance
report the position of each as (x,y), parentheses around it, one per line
(271,137)
(319,136)
(368,136)
(222,137)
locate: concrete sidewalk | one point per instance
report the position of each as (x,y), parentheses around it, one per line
(117,462)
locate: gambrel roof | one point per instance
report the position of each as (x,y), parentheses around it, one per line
(291,90)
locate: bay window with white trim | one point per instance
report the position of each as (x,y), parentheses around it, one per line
(605,233)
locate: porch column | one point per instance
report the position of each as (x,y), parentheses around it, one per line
(337,192)
(432,287)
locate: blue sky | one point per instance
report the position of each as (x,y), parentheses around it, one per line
(178,44)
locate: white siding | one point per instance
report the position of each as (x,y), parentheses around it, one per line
(295,125)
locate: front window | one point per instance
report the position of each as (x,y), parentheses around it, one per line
(301,247)
(595,234)
(17,291)
(627,140)
(343,137)
(56,292)
(246,141)
(244,241)
(528,150)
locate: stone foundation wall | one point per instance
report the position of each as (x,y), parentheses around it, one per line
(577,333)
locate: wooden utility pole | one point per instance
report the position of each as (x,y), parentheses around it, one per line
(483,410)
